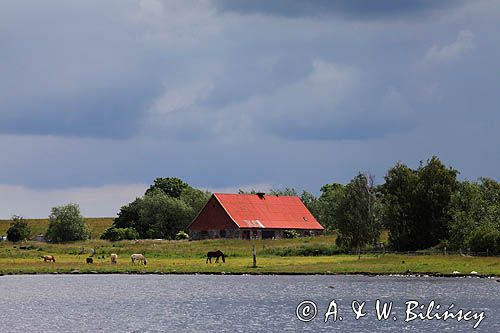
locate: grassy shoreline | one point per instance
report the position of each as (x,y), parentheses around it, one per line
(184,257)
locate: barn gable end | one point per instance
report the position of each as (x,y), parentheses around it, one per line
(213,222)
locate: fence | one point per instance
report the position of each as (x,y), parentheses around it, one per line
(444,251)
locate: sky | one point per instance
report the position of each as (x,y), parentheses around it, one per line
(100,97)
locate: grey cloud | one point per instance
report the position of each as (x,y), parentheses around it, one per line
(359,9)
(321,105)
(85,69)
(463,44)
(119,97)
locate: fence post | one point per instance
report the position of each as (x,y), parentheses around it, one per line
(487,252)
(445,250)
(254,252)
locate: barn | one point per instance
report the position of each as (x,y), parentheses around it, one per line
(252,216)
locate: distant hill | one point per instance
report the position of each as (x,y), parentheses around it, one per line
(97,225)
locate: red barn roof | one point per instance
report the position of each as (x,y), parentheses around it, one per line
(267,211)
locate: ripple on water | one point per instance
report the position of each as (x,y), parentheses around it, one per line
(230,303)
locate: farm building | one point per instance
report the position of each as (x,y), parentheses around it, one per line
(252,216)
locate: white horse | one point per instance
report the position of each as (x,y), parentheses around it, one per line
(138,257)
(114,257)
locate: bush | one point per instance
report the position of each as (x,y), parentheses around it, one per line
(67,224)
(18,230)
(117,234)
(305,250)
(181,235)
(485,238)
(291,234)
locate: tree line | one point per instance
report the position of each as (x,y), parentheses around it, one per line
(420,208)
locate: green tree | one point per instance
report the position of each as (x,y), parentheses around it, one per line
(326,206)
(398,205)
(475,211)
(195,199)
(311,202)
(173,187)
(355,214)
(162,216)
(485,238)
(128,215)
(67,224)
(18,230)
(416,204)
(287,191)
(163,210)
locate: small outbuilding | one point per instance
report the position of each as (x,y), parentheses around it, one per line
(253,216)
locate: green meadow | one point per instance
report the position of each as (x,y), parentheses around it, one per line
(316,255)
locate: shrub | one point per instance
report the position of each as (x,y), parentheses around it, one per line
(116,234)
(181,235)
(291,234)
(485,238)
(18,230)
(305,250)
(67,224)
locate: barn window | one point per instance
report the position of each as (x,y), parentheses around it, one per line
(222,234)
(204,234)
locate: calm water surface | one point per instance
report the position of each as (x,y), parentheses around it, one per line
(215,303)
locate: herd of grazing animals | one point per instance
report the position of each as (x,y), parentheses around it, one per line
(140,258)
(114,258)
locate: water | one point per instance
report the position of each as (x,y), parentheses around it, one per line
(218,303)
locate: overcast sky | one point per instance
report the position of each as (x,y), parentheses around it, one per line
(98,98)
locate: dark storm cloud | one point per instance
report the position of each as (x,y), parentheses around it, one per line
(104,114)
(362,9)
(96,93)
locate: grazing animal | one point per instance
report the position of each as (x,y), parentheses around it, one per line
(139,258)
(217,254)
(49,258)
(90,260)
(114,258)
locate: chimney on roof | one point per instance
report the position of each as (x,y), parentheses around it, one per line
(261,194)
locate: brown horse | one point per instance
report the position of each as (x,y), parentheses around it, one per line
(217,254)
(49,258)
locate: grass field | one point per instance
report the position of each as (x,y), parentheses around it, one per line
(189,257)
(97,226)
